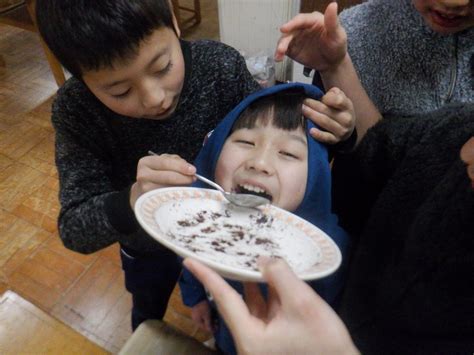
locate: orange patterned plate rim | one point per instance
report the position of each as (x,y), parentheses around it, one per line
(200,224)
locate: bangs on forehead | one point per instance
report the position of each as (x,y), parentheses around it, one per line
(283,110)
(249,118)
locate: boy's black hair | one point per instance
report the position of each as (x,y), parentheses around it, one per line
(283,110)
(91,34)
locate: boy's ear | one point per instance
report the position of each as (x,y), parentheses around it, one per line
(175,21)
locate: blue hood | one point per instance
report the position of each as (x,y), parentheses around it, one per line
(316,204)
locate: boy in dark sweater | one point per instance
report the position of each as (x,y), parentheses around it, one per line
(136,87)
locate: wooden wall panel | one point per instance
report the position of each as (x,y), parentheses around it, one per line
(320,5)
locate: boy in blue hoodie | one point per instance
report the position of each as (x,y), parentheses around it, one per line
(264,147)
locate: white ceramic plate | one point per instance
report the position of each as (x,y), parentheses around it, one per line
(201,224)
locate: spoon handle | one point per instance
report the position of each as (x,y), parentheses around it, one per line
(200,177)
(207,181)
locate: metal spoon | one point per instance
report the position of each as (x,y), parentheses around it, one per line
(242,200)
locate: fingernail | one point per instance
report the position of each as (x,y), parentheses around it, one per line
(191,169)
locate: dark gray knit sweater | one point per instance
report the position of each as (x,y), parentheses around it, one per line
(97,151)
(404,65)
(405,197)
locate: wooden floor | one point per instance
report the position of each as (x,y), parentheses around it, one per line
(86,292)
(26,329)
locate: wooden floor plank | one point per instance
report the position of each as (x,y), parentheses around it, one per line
(27,329)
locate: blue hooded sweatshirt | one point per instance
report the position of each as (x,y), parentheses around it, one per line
(315,206)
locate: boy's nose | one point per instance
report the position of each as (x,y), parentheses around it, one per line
(152,95)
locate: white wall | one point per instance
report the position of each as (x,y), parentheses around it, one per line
(253,25)
(297,74)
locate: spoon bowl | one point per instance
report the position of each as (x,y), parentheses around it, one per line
(242,200)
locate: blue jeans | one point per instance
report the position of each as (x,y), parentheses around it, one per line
(150,278)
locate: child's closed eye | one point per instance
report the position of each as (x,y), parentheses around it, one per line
(244,142)
(289,155)
(165,70)
(121,95)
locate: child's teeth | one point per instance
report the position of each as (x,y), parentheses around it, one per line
(253,188)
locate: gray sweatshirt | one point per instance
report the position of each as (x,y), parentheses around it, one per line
(404,65)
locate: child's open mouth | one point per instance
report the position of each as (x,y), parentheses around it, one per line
(253,190)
